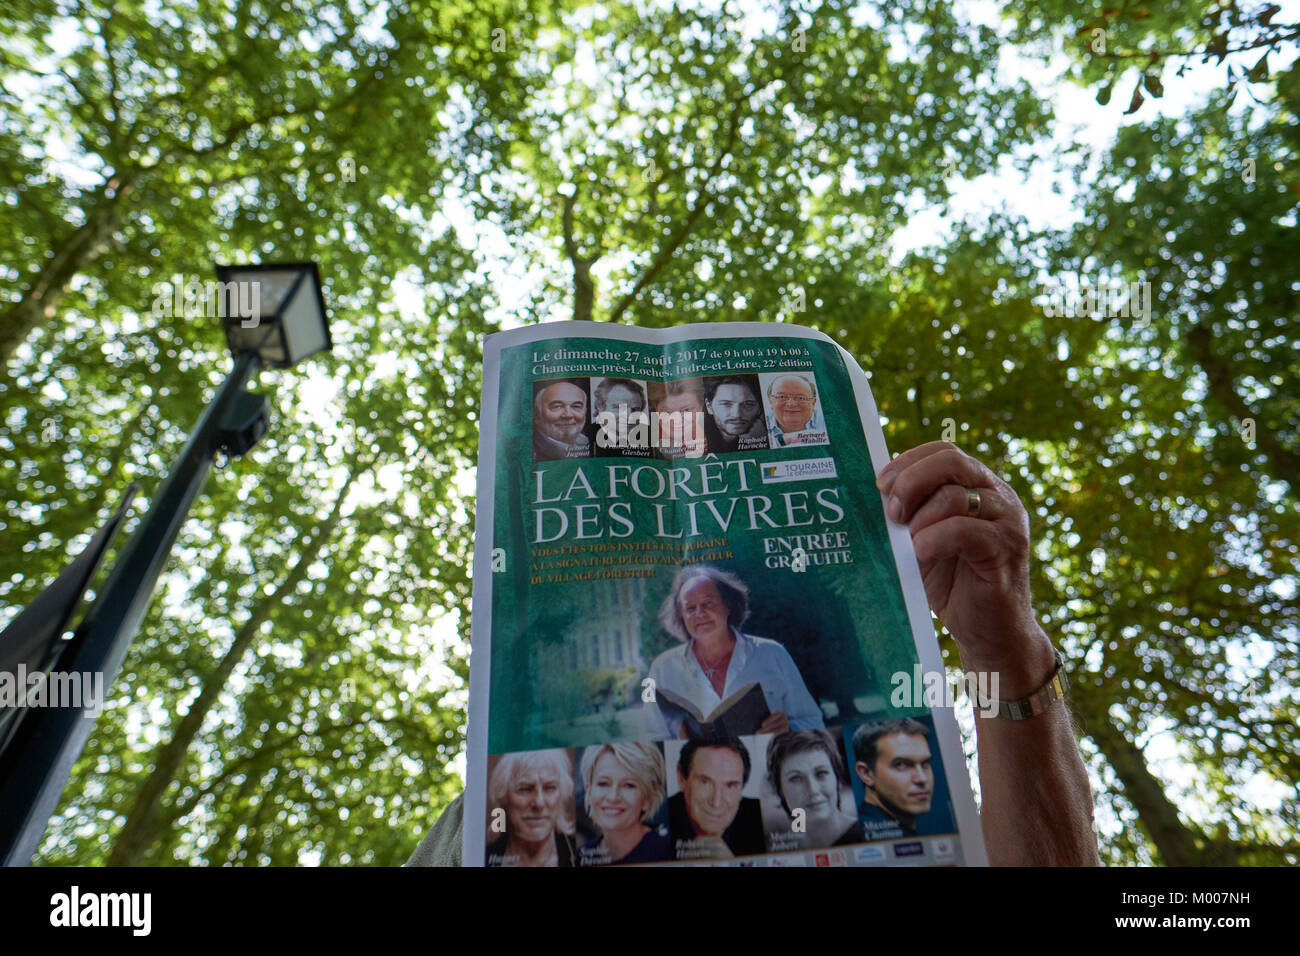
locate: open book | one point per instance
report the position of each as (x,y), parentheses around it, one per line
(738,715)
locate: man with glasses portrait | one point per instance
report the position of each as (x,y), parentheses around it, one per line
(795,418)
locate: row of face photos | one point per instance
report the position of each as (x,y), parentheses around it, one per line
(725,799)
(685,418)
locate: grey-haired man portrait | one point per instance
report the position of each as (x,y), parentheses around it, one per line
(560,420)
(795,418)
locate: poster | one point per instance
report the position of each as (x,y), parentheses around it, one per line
(695,634)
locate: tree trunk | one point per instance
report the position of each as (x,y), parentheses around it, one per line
(140,829)
(584,289)
(1223,387)
(70,256)
(1177,843)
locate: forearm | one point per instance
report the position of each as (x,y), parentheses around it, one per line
(971,535)
(1037,804)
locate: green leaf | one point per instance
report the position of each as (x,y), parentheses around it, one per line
(1259,72)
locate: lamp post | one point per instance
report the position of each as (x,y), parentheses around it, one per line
(286,324)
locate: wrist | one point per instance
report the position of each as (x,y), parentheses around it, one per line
(1022,662)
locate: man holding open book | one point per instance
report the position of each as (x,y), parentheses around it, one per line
(722,682)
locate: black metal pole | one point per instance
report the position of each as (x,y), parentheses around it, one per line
(36,766)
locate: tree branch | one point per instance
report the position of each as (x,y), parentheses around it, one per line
(1222,382)
(70,256)
(702,202)
(140,829)
(1269,41)
(584,289)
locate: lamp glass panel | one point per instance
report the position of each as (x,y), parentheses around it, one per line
(303,324)
(272,285)
(264,338)
(273,352)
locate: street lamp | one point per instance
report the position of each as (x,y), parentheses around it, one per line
(287,321)
(279,320)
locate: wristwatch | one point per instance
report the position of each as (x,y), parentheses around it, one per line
(1035,703)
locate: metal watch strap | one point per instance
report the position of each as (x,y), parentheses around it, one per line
(1031,706)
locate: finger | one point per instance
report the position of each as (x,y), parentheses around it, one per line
(951,501)
(920,480)
(974,540)
(911,457)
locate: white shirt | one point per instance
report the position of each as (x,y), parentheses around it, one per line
(752,659)
(815,429)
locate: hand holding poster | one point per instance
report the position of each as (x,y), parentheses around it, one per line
(689,643)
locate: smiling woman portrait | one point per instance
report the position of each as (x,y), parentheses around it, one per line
(623,789)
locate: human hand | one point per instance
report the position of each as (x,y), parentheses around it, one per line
(774,723)
(975,567)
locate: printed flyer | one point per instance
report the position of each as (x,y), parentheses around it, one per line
(690,614)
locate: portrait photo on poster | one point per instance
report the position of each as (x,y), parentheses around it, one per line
(679,407)
(561,419)
(622,807)
(794,415)
(735,414)
(714,810)
(621,418)
(808,802)
(530,819)
(898,779)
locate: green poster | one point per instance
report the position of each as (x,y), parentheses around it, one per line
(680,543)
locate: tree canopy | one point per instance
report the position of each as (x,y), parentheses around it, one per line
(296,693)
